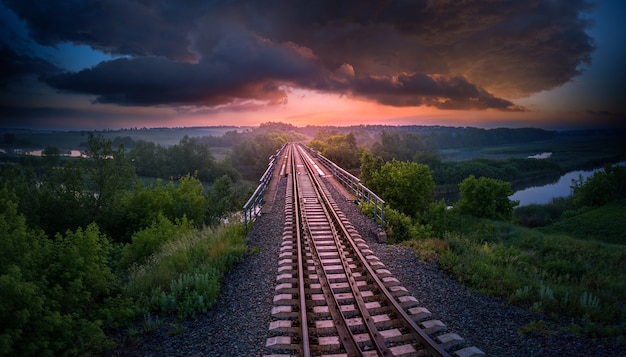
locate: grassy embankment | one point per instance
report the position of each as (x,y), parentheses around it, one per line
(180,269)
(574,268)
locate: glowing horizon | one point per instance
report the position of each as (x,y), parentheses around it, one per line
(233,66)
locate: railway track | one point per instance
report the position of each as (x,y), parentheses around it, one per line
(333,296)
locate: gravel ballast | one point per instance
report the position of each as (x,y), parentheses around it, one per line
(238,324)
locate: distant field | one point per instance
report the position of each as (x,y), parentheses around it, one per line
(498,152)
(162,136)
(571,152)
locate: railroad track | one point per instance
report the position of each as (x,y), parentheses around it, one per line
(333,296)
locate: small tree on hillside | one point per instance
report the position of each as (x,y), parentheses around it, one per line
(486,198)
(601,188)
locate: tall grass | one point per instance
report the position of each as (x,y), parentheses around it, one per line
(536,215)
(552,273)
(183,276)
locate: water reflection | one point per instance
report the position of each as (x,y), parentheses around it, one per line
(39,152)
(544,194)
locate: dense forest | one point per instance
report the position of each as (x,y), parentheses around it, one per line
(136,228)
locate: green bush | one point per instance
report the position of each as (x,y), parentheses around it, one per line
(149,240)
(405,186)
(601,188)
(486,198)
(51,290)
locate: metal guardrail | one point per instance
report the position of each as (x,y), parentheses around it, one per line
(253,206)
(354,185)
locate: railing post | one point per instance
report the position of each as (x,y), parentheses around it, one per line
(250,208)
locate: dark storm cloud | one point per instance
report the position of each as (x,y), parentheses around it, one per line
(241,66)
(140,28)
(14,66)
(447,54)
(436,91)
(510,48)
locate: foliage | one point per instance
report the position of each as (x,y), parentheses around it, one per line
(369,165)
(436,217)
(50,290)
(22,182)
(400,146)
(447,137)
(535,326)
(427,250)
(602,187)
(405,186)
(486,198)
(340,149)
(542,215)
(398,226)
(250,157)
(142,206)
(221,199)
(107,173)
(191,156)
(549,273)
(511,169)
(183,276)
(605,223)
(150,239)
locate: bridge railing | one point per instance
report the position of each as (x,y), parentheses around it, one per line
(354,185)
(253,206)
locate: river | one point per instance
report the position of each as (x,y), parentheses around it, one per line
(546,193)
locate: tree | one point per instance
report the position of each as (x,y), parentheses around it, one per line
(406,186)
(600,188)
(143,205)
(50,290)
(148,159)
(486,198)
(250,157)
(340,149)
(52,154)
(108,173)
(63,200)
(221,199)
(191,156)
(369,165)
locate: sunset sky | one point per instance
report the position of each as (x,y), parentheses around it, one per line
(109,64)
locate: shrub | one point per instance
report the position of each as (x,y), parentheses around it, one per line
(51,290)
(149,240)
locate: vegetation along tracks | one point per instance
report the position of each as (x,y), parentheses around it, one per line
(333,296)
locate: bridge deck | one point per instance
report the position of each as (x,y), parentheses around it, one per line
(270,194)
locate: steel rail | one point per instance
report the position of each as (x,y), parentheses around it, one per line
(334,221)
(427,341)
(304,326)
(346,336)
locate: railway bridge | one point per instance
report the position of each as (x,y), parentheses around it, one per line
(333,296)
